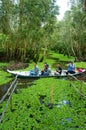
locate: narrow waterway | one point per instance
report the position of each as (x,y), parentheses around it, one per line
(22,83)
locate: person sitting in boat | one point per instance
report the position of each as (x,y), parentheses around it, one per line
(58,70)
(46,71)
(36,70)
(71,68)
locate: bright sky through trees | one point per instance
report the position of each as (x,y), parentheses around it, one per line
(63,4)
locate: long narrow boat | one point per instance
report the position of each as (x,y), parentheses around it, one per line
(26,74)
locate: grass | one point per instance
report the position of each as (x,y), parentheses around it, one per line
(55,58)
(3,64)
(61,57)
(81,64)
(52,59)
(49,104)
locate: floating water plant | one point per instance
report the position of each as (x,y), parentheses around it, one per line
(49,104)
(31,110)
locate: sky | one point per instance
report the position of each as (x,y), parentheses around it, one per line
(63,7)
(63,4)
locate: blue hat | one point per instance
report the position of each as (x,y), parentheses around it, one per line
(47,65)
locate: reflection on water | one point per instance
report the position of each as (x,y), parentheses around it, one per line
(3,89)
(81,77)
(66,120)
(22,83)
(64,102)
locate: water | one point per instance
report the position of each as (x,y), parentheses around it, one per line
(22,83)
(3,89)
(63,102)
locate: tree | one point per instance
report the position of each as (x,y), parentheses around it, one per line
(27,23)
(71,39)
(84,5)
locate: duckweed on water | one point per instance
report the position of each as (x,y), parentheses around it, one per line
(3,74)
(30,114)
(49,104)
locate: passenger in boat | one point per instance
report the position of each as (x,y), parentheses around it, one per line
(35,71)
(46,71)
(71,68)
(42,71)
(79,70)
(58,70)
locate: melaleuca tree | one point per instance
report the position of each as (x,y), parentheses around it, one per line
(28,22)
(78,25)
(72,32)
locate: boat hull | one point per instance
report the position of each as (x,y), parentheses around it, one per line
(26,74)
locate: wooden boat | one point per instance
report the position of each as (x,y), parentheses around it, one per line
(26,74)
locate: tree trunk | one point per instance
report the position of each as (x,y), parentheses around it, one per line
(84,5)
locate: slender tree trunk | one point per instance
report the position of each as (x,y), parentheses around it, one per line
(5,8)
(25,47)
(71,44)
(84,5)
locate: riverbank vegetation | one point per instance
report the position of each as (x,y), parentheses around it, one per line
(52,59)
(28,29)
(49,103)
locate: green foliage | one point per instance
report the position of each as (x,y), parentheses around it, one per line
(61,57)
(81,64)
(3,64)
(31,106)
(27,24)
(3,40)
(70,32)
(26,27)
(3,74)
(29,113)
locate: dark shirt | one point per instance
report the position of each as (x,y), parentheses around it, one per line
(59,70)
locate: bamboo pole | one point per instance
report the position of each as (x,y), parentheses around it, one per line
(11,102)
